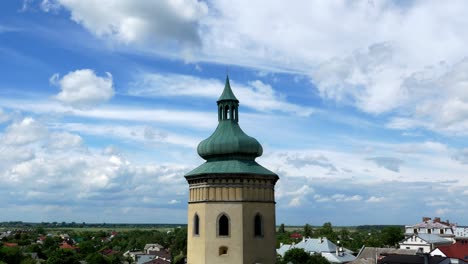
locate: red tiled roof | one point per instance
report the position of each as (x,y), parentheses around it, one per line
(65,245)
(296,235)
(457,250)
(10,244)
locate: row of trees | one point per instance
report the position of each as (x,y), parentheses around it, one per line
(351,238)
(90,246)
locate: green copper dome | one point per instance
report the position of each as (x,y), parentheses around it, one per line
(229,149)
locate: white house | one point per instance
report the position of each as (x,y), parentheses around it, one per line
(432,226)
(322,246)
(424,242)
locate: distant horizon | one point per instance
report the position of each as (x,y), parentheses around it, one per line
(361,107)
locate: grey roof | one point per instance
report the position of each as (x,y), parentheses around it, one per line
(334,258)
(369,254)
(433,238)
(283,248)
(316,245)
(322,246)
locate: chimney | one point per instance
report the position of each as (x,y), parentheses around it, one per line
(425,218)
(437,219)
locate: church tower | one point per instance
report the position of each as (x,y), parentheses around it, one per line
(231,210)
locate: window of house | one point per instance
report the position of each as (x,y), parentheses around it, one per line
(442,231)
(223,226)
(429,231)
(258,225)
(196,225)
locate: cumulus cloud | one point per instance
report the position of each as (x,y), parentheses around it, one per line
(255,94)
(461,156)
(367,64)
(64,141)
(389,163)
(24,132)
(42,166)
(83,88)
(140,22)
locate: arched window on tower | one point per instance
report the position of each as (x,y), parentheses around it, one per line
(196,225)
(234,113)
(223,225)
(258,226)
(220,115)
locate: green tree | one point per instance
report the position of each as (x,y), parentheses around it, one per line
(327,231)
(296,256)
(307,230)
(10,255)
(96,258)
(63,256)
(299,256)
(392,235)
(281,229)
(318,259)
(180,259)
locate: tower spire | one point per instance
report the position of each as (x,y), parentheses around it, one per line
(227,94)
(228,104)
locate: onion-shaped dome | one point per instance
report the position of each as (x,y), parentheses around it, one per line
(229,140)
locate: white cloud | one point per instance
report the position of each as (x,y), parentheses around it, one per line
(461,156)
(49,6)
(139,22)
(295,202)
(41,166)
(64,141)
(24,132)
(383,57)
(256,94)
(83,88)
(3,116)
(176,117)
(389,163)
(173,202)
(374,199)
(345,198)
(138,133)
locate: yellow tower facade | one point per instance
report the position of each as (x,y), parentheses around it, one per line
(231,211)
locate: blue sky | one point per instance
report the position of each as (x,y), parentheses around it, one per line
(361,107)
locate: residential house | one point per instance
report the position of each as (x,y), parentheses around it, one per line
(370,255)
(424,242)
(322,246)
(414,259)
(149,248)
(461,233)
(432,226)
(458,252)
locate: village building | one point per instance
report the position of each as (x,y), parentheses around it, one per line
(322,246)
(432,226)
(457,252)
(424,242)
